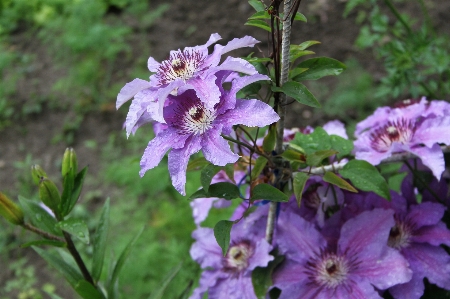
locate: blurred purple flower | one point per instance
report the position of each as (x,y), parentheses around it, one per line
(357,266)
(190,68)
(192,127)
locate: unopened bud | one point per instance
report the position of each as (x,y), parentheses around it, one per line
(38,174)
(69,162)
(12,212)
(49,194)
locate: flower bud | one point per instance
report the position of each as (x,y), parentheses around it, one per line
(69,162)
(49,194)
(12,212)
(38,174)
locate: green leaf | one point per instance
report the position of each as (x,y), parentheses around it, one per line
(298,92)
(307,44)
(366,177)
(43,243)
(270,139)
(319,67)
(75,227)
(222,231)
(332,178)
(342,145)
(68,183)
(257,5)
(260,24)
(72,196)
(72,275)
(260,15)
(316,158)
(158,293)
(293,156)
(87,290)
(262,277)
(300,17)
(229,170)
(207,174)
(268,192)
(251,89)
(99,242)
(300,179)
(121,262)
(310,143)
(221,190)
(39,217)
(297,54)
(258,167)
(197,164)
(296,71)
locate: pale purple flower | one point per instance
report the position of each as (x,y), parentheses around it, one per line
(405,129)
(229,277)
(190,68)
(417,234)
(358,266)
(192,127)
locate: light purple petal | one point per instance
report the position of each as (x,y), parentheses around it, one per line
(157,147)
(363,151)
(205,250)
(431,157)
(379,116)
(201,207)
(233,288)
(130,90)
(153,65)
(162,95)
(207,90)
(238,65)
(251,113)
(236,43)
(335,127)
(178,160)
(216,149)
(411,290)
(261,256)
(433,130)
(208,279)
(434,235)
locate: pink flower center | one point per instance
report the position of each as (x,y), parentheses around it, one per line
(401,131)
(181,65)
(329,270)
(194,118)
(238,257)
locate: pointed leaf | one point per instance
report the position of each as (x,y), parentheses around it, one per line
(297,54)
(319,67)
(316,158)
(72,275)
(77,186)
(262,277)
(43,243)
(221,190)
(260,24)
(258,167)
(75,227)
(300,17)
(270,139)
(158,293)
(229,170)
(300,179)
(260,15)
(68,183)
(293,156)
(197,164)
(307,44)
(342,145)
(298,92)
(268,192)
(87,290)
(257,5)
(332,178)
(310,143)
(99,242)
(39,217)
(366,177)
(222,231)
(207,174)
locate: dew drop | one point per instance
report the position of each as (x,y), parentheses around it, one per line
(39,217)
(81,235)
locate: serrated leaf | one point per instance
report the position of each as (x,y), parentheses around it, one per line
(72,275)
(44,243)
(260,15)
(268,192)
(342,145)
(39,217)
(75,227)
(257,5)
(262,277)
(316,158)
(221,190)
(310,143)
(258,167)
(99,242)
(259,23)
(159,292)
(319,67)
(121,262)
(300,179)
(298,92)
(87,290)
(197,164)
(222,231)
(207,174)
(332,178)
(366,177)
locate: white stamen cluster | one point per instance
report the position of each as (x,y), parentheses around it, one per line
(181,65)
(197,119)
(238,257)
(401,131)
(328,270)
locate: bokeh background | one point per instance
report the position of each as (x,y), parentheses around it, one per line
(62,63)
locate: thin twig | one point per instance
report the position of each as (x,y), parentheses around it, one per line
(42,233)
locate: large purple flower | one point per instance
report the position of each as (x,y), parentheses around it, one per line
(356,267)
(192,127)
(418,128)
(229,277)
(417,234)
(190,68)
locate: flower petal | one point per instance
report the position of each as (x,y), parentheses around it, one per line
(130,90)
(427,213)
(431,157)
(411,290)
(217,150)
(434,235)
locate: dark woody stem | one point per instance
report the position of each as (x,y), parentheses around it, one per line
(42,233)
(73,251)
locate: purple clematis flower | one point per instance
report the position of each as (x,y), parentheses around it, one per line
(192,127)
(229,277)
(355,267)
(190,68)
(418,131)
(417,234)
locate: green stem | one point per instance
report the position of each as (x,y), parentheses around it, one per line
(42,233)
(398,16)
